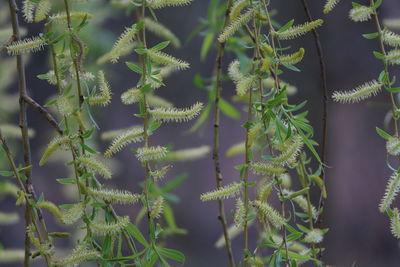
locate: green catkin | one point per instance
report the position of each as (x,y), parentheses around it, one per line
(240,213)
(157,208)
(50,206)
(393,57)
(27,45)
(104,228)
(391,38)
(112,134)
(125,40)
(358,94)
(264,190)
(73,214)
(114,196)
(74,15)
(157,4)
(28,8)
(131,96)
(159,174)
(314,236)
(151,153)
(395,223)
(128,137)
(187,154)
(167,60)
(224,192)
(234,71)
(301,201)
(78,255)
(290,153)
(270,213)
(104,96)
(361,13)
(266,168)
(109,56)
(64,106)
(236,149)
(237,8)
(54,145)
(176,114)
(162,31)
(391,192)
(294,58)
(298,30)
(245,85)
(330,5)
(34,240)
(42,10)
(236,24)
(94,165)
(393,146)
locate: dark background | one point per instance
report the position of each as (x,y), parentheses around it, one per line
(356,154)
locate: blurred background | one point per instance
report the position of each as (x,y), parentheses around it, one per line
(357,172)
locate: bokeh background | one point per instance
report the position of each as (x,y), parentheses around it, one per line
(357,172)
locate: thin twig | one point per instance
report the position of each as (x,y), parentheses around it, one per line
(216,138)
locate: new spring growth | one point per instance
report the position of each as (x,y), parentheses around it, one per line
(114,196)
(237,8)
(391,192)
(151,153)
(236,24)
(390,38)
(298,30)
(94,165)
(393,57)
(395,223)
(112,228)
(176,114)
(265,168)
(294,58)
(128,137)
(358,94)
(301,201)
(78,255)
(393,146)
(42,10)
(243,82)
(187,154)
(166,60)
(156,4)
(291,151)
(73,214)
(361,13)
(314,236)
(157,208)
(54,145)
(61,17)
(104,96)
(131,96)
(125,40)
(240,213)
(50,206)
(330,5)
(27,45)
(269,213)
(224,192)
(159,174)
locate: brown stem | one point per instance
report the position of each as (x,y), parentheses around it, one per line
(23,124)
(218,174)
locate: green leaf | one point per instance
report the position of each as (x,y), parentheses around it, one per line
(135,232)
(89,149)
(371,35)
(286,26)
(6,173)
(205,47)
(379,55)
(394,89)
(160,46)
(228,109)
(175,182)
(50,103)
(169,216)
(146,88)
(134,67)
(198,81)
(382,133)
(66,180)
(172,254)
(377,4)
(354,4)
